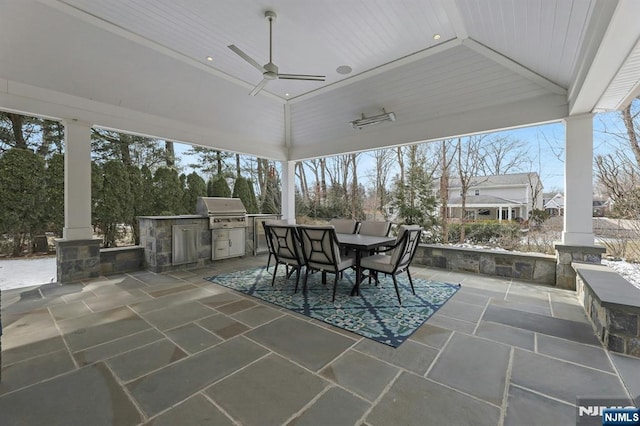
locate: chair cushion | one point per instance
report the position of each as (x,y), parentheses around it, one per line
(344,264)
(378,262)
(375,228)
(344,226)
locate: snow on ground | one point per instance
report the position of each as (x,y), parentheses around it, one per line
(17,273)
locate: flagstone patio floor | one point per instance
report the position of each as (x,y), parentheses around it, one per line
(174,349)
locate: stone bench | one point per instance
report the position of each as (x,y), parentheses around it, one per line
(613,305)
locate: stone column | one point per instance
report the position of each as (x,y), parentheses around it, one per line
(566,255)
(288,191)
(77,252)
(577,237)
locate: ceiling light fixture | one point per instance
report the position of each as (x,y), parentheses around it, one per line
(370,121)
(436,36)
(209,58)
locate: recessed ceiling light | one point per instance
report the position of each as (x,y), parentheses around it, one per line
(209,58)
(286,94)
(343,69)
(436,36)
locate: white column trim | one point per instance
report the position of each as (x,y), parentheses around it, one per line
(578,181)
(77,180)
(288,191)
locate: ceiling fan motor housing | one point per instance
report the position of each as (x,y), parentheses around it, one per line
(271,72)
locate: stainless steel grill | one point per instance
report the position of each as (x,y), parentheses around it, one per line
(222,212)
(227,221)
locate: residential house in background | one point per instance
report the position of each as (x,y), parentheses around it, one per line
(499,197)
(554,203)
(601,208)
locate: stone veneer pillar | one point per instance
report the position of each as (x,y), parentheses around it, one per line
(77,253)
(77,259)
(565,274)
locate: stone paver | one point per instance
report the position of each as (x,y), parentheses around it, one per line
(571,330)
(196,410)
(629,369)
(141,361)
(590,356)
(223,326)
(467,355)
(115,347)
(94,329)
(527,408)
(21,374)
(360,373)
(173,348)
(311,346)
(175,316)
(560,379)
(334,407)
(88,396)
(415,401)
(267,392)
(431,335)
(509,335)
(410,355)
(193,338)
(163,388)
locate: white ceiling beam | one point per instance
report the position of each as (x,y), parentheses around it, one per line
(425,53)
(620,38)
(143,41)
(287,126)
(514,66)
(455,19)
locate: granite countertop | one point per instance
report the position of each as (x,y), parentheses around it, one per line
(181,216)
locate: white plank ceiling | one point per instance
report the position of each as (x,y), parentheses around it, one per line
(140,66)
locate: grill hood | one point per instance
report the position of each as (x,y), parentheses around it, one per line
(219,206)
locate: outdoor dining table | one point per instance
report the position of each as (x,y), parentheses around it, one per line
(362,244)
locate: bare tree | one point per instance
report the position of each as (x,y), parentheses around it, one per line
(446,159)
(469,163)
(502,155)
(380,177)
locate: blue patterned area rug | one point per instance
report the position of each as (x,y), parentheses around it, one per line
(374,314)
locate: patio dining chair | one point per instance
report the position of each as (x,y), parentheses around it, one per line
(287,250)
(265,224)
(397,258)
(377,228)
(322,253)
(344,226)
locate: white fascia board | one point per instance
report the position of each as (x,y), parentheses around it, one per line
(620,38)
(528,112)
(31,100)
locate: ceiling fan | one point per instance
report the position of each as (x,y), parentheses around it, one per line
(270,70)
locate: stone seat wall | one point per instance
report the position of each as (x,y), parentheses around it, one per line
(533,267)
(613,305)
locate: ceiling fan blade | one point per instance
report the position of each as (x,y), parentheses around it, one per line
(259,87)
(301,77)
(246,57)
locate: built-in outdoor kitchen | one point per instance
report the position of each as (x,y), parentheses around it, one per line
(219,229)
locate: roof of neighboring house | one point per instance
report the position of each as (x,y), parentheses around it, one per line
(550,195)
(556,202)
(497,180)
(486,200)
